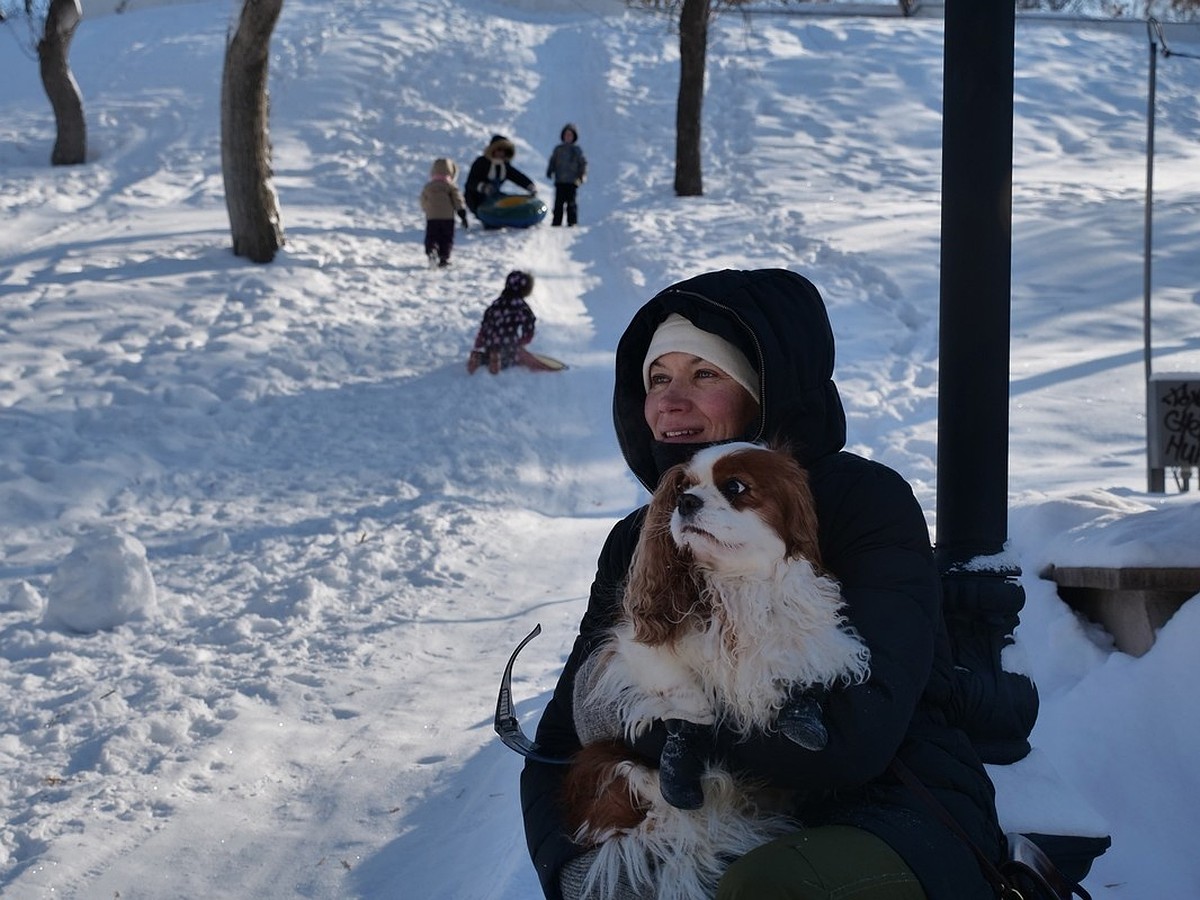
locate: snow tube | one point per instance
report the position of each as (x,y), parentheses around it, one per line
(512,210)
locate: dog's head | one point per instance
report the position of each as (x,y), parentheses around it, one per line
(741,509)
(734,511)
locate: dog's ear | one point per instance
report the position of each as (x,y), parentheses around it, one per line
(800,513)
(661,591)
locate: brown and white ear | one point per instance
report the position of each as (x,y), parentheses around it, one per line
(801,514)
(661,591)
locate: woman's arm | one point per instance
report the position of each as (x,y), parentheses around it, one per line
(516,175)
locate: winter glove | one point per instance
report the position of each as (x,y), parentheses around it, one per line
(462,215)
(800,720)
(649,744)
(681,765)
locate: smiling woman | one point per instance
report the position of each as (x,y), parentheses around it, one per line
(749,355)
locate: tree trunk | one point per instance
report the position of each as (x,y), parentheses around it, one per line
(693,47)
(245,146)
(62,18)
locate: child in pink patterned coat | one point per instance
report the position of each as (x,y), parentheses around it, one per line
(508,325)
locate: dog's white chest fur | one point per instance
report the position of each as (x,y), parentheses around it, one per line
(762,640)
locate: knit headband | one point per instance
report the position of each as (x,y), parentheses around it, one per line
(677,335)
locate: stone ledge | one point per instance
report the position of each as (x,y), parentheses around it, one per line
(1131,602)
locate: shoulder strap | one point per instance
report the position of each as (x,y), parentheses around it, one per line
(990,872)
(1024,855)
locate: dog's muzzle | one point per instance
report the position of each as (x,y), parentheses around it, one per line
(688,505)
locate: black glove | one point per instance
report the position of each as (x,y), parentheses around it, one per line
(681,765)
(462,215)
(800,720)
(649,744)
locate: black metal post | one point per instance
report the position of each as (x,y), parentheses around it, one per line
(977,128)
(1156,478)
(982,601)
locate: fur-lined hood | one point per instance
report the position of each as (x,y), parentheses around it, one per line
(444,168)
(500,142)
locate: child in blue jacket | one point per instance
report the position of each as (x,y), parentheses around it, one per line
(568,169)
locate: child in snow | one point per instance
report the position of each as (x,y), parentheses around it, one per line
(508,325)
(568,168)
(441,201)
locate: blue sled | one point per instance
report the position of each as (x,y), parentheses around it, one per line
(511,210)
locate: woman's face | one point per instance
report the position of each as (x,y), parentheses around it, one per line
(691,401)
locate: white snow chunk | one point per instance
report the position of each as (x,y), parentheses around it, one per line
(24,597)
(105,581)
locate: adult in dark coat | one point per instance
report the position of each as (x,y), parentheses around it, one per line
(873,538)
(491,169)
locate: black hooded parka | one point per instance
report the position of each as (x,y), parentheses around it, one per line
(873,538)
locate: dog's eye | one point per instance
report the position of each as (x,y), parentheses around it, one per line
(732,488)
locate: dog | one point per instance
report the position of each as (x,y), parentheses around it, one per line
(727,618)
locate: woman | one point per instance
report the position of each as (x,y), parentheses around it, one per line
(866,835)
(491,169)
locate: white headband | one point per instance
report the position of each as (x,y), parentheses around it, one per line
(677,335)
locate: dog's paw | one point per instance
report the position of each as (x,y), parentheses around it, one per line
(678,703)
(800,722)
(687,704)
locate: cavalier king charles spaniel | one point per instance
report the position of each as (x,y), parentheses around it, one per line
(727,619)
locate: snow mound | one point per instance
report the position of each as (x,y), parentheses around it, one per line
(105,581)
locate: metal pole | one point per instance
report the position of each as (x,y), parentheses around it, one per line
(981,602)
(1156,478)
(976,262)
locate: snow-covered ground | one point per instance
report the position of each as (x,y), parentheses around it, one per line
(309,540)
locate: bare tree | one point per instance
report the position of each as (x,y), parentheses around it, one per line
(693,18)
(62,18)
(245,145)
(693,52)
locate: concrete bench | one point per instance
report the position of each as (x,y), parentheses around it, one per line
(1130,602)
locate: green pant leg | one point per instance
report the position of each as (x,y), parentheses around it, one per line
(834,862)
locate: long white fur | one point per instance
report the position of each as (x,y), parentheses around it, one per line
(778,625)
(679,854)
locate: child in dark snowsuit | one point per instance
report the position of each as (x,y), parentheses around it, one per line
(441,201)
(508,325)
(568,168)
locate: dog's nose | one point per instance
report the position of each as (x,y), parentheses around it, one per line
(688,504)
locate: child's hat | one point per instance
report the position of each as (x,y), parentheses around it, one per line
(443,167)
(518,283)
